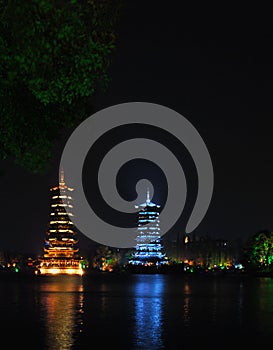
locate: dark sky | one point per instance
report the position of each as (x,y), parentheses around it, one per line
(213,65)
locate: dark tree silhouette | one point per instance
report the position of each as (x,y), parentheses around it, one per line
(54,57)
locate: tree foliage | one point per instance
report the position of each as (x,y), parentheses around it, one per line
(260,251)
(54,57)
(106,259)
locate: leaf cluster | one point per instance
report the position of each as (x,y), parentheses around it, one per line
(54,57)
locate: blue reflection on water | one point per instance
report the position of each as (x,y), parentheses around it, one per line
(148,311)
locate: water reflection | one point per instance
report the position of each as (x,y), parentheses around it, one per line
(186,305)
(61,300)
(265,305)
(148,312)
(133,312)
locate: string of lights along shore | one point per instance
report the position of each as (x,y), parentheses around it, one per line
(60,245)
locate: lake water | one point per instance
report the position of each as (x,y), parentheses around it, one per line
(133,312)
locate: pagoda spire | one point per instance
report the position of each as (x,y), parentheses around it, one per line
(148,196)
(62,183)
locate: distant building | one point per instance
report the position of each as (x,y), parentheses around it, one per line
(149,248)
(60,245)
(203,250)
(174,245)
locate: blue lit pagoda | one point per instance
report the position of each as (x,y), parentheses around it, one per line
(149,249)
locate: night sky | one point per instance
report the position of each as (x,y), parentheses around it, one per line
(213,65)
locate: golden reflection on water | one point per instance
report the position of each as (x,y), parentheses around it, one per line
(61,298)
(186,306)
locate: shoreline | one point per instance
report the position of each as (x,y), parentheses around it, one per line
(125,273)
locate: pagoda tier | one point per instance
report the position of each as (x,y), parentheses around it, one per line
(60,245)
(148,250)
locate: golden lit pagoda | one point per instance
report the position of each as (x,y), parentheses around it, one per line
(60,246)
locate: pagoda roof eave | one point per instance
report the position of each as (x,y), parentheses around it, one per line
(150,204)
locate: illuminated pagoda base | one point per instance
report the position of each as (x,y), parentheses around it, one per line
(60,247)
(60,267)
(148,251)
